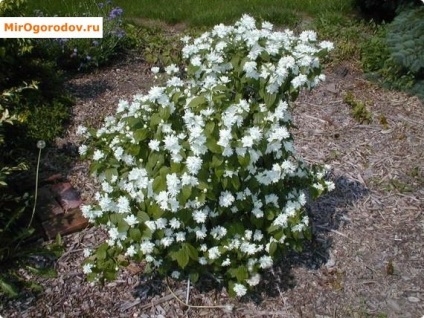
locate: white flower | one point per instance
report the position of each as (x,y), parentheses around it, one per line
(247,141)
(82,150)
(278,134)
(194,164)
(131,220)
(330,185)
(113,233)
(87,252)
(254,280)
(227,262)
(81,130)
(166,241)
(154,144)
(202,261)
(218,232)
(151,225)
(156,93)
(258,235)
(248,248)
(98,155)
(226,199)
(327,45)
(248,235)
(308,36)
(174,223)
(171,144)
(175,274)
(86,268)
(130,251)
(240,289)
(265,262)
(147,247)
(161,223)
(123,205)
(214,253)
(173,184)
(155,69)
(200,233)
(171,69)
(180,236)
(200,216)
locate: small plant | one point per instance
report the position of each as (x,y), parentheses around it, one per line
(359,110)
(200,177)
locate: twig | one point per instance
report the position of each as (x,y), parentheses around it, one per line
(225,307)
(337,232)
(188,290)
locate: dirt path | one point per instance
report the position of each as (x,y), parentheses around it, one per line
(367,258)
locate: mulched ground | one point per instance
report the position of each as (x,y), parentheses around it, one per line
(366,259)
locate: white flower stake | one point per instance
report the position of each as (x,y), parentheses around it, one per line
(200,176)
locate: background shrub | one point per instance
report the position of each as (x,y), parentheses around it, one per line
(383,10)
(79,54)
(394,54)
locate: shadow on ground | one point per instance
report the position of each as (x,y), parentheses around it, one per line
(327,213)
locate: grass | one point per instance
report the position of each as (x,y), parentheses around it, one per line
(206,12)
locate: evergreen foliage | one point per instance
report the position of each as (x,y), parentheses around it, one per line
(405,40)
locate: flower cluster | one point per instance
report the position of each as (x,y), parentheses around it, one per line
(201,176)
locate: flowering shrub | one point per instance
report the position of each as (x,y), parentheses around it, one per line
(200,176)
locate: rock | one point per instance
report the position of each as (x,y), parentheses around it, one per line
(413,299)
(393,305)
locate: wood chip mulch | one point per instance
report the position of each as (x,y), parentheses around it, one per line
(367,256)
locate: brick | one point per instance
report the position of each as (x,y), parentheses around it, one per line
(68,196)
(67,223)
(47,206)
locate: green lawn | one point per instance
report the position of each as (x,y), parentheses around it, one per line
(206,12)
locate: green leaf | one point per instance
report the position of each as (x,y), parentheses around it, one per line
(8,289)
(191,251)
(212,146)
(142,216)
(244,160)
(159,184)
(101,251)
(155,211)
(209,128)
(135,234)
(270,99)
(235,182)
(140,134)
(43,272)
(194,277)
(272,248)
(186,192)
(197,101)
(155,120)
(240,273)
(181,257)
(164,113)
(109,173)
(217,160)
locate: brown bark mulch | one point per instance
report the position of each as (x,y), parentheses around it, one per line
(367,256)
